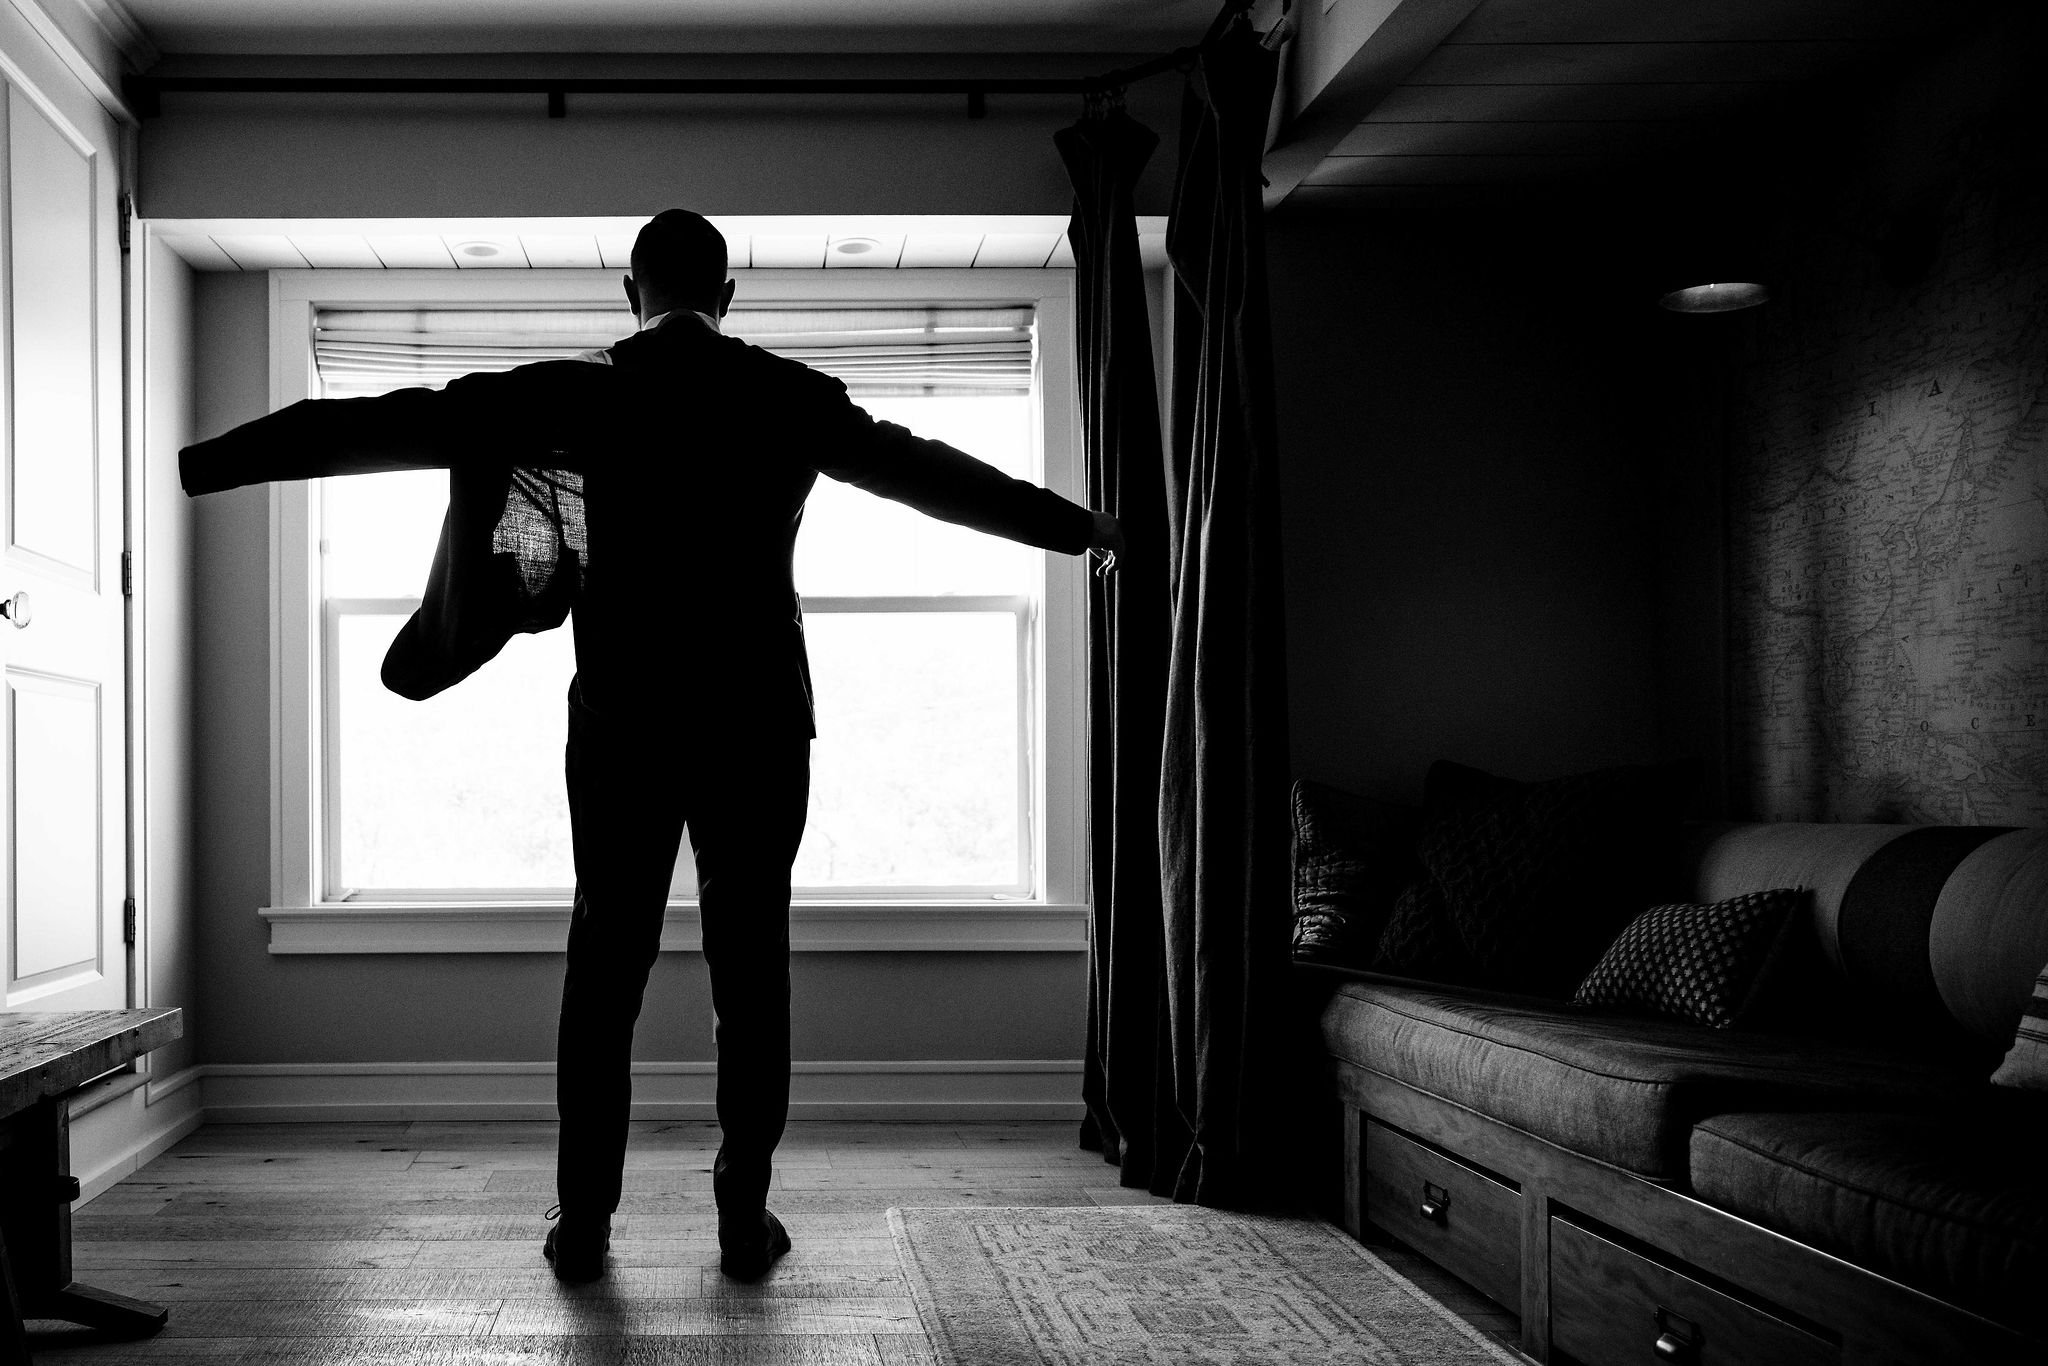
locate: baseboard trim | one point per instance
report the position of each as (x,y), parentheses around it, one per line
(923,1090)
(115,1135)
(130,1121)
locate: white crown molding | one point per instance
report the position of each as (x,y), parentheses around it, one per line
(123,30)
(840,927)
(97,40)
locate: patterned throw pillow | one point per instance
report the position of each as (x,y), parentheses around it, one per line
(1419,941)
(1706,964)
(1351,857)
(1537,878)
(2026,1062)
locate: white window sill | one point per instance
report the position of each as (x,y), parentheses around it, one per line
(814,927)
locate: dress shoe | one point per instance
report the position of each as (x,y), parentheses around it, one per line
(748,1244)
(577,1245)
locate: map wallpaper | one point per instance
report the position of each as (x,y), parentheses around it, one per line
(1888,530)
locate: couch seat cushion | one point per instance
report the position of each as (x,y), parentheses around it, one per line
(1620,1089)
(1953,1201)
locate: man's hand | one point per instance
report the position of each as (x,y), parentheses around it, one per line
(1108,537)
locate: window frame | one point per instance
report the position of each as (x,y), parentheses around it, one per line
(302,918)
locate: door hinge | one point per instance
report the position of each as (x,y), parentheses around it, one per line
(127,573)
(126,209)
(128,920)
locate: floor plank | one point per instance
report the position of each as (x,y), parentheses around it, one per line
(418,1244)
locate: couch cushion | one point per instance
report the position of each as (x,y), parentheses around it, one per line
(1953,1201)
(1621,1090)
(1874,893)
(1989,934)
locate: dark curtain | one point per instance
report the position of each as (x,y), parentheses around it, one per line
(1223,833)
(1188,1023)
(1131,1118)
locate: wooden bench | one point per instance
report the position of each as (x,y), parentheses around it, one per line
(44,1057)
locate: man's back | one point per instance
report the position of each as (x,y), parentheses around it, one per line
(688,597)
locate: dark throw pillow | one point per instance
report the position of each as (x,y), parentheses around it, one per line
(1352,855)
(1537,878)
(1707,964)
(1419,940)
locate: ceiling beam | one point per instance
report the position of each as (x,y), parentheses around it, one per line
(1348,57)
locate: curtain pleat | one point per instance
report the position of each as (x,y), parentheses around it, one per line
(1131,1117)
(1223,834)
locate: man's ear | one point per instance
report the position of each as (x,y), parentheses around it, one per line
(633,297)
(725,297)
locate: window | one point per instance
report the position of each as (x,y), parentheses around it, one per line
(945,807)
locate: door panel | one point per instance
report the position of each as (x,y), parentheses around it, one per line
(50,236)
(63,794)
(52,722)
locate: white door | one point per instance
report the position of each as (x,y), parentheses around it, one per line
(62,784)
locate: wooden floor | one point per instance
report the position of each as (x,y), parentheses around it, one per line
(418,1243)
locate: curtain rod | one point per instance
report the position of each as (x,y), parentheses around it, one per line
(145,93)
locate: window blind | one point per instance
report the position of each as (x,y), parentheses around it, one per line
(875,351)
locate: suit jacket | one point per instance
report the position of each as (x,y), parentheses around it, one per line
(661,494)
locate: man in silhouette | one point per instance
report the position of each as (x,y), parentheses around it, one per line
(672,484)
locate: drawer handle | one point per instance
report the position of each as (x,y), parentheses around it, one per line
(1436,1203)
(1678,1339)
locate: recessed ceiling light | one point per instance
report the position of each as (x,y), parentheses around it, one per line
(1723,297)
(855,246)
(478,248)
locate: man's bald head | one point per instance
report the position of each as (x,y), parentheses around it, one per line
(679,261)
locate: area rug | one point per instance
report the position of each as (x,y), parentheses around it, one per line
(1171,1284)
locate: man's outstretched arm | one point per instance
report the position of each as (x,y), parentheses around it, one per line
(510,418)
(951,485)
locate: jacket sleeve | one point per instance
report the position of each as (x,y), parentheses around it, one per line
(514,417)
(944,482)
(402,430)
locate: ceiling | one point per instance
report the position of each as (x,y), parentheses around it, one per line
(1480,95)
(1383,101)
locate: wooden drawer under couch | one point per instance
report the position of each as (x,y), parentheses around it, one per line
(1461,1218)
(1612,1306)
(1602,1265)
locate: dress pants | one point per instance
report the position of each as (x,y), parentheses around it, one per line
(634,786)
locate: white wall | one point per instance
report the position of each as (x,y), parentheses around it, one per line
(163,381)
(315,1017)
(353,156)
(314,1013)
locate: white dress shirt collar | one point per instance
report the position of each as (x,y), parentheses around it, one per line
(658,319)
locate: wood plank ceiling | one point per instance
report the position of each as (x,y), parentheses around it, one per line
(797,244)
(1529,92)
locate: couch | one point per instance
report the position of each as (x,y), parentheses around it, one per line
(1840,1185)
